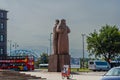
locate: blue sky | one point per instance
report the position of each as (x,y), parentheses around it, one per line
(31,21)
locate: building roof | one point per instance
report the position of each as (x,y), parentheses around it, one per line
(3,10)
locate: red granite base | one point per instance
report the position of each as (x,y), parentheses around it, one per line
(56,62)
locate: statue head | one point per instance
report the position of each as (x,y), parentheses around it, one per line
(57,21)
(63,21)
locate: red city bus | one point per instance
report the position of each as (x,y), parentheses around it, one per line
(24,63)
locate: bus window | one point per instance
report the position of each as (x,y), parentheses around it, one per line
(101,63)
(91,63)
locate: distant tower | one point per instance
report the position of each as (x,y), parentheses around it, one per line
(3,33)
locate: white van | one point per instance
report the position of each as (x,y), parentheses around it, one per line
(98,65)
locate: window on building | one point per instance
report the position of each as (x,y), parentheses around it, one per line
(1,25)
(1,51)
(1,14)
(1,38)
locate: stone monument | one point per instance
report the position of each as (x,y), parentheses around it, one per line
(60,53)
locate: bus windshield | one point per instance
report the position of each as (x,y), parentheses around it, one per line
(101,63)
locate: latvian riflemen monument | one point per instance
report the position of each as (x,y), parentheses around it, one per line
(60,53)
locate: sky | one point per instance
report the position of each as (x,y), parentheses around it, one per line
(30,22)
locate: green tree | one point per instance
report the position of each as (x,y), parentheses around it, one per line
(37,63)
(44,58)
(105,43)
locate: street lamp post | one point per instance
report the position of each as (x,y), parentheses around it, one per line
(16,45)
(10,46)
(83,48)
(50,43)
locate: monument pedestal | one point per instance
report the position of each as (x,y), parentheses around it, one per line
(56,62)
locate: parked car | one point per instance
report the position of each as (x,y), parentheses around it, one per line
(114,63)
(98,65)
(112,74)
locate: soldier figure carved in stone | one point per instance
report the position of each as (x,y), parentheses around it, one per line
(60,37)
(55,38)
(63,41)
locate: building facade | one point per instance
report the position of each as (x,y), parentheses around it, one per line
(3,33)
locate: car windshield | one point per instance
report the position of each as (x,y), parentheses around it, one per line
(113,72)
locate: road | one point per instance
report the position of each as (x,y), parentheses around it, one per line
(57,75)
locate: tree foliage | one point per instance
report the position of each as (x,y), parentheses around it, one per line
(43,59)
(105,43)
